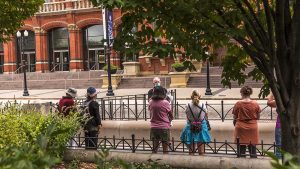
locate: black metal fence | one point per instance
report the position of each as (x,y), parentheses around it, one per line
(135,107)
(174,146)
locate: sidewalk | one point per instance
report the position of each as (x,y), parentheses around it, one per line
(182,93)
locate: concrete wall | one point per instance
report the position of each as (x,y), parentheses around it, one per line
(221,131)
(177,161)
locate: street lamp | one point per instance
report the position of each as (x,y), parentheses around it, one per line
(107,52)
(208,90)
(21,44)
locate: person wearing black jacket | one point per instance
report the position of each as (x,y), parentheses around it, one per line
(92,125)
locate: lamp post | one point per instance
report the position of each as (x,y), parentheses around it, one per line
(208,90)
(107,52)
(20,38)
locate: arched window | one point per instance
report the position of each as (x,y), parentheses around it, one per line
(59,58)
(94,58)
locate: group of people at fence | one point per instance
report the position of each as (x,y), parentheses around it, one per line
(196,131)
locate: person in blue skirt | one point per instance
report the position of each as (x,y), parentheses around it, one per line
(196,131)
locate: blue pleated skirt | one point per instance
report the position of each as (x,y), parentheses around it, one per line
(203,136)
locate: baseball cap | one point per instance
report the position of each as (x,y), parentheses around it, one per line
(91,91)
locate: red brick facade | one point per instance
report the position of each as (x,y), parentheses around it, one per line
(75,16)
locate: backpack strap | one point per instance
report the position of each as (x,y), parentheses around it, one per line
(201,109)
(196,119)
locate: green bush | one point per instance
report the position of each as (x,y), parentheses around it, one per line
(178,66)
(112,67)
(30,139)
(289,161)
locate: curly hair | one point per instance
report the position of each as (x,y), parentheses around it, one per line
(246,91)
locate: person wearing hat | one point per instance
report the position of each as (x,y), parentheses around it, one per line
(156,82)
(91,128)
(66,103)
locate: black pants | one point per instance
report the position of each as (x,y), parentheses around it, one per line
(251,148)
(91,139)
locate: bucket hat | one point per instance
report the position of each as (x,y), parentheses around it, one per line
(71,91)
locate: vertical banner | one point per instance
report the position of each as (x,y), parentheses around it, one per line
(104,24)
(108,25)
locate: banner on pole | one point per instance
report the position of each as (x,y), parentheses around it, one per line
(108,24)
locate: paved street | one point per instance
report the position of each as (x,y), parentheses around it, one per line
(182,93)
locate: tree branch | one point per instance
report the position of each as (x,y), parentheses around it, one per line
(256,24)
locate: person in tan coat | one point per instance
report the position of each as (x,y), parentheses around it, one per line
(246,112)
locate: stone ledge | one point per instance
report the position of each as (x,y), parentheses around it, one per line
(221,131)
(178,161)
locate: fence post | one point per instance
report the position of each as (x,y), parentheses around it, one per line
(173,100)
(272,113)
(145,107)
(136,107)
(110,110)
(114,142)
(105,142)
(222,109)
(274,147)
(238,147)
(133,142)
(103,109)
(262,147)
(173,144)
(175,109)
(215,146)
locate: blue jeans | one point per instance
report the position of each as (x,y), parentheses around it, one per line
(278,142)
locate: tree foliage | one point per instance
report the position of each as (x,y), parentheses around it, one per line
(13,13)
(268,31)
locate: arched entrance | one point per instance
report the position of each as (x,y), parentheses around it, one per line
(94,57)
(59,58)
(27,52)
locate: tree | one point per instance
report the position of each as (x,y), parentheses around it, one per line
(268,31)
(13,13)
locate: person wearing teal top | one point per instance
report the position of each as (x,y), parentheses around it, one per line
(195,112)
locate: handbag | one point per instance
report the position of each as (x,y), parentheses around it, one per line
(196,125)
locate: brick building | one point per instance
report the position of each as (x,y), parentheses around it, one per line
(66,35)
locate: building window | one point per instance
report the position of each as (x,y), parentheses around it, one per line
(94,57)
(58,40)
(26,52)
(1,58)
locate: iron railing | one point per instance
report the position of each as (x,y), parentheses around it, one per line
(135,107)
(174,146)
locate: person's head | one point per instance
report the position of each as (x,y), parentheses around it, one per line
(246,91)
(156,81)
(195,97)
(158,93)
(71,92)
(91,92)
